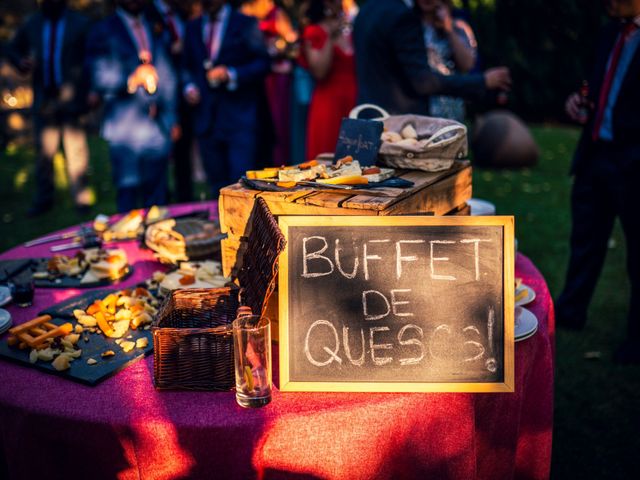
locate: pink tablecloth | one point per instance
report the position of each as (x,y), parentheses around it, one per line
(123,428)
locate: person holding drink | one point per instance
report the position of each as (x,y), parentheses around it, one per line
(606,171)
(392,65)
(132,75)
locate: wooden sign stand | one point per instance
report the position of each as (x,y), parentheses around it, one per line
(397,304)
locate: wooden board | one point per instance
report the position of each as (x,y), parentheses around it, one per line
(40,265)
(403,303)
(80,371)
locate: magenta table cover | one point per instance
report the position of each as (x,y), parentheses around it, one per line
(125,429)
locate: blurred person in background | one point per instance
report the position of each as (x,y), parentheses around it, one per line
(606,173)
(451,49)
(327,52)
(50,46)
(280,38)
(168,19)
(133,76)
(392,67)
(225,63)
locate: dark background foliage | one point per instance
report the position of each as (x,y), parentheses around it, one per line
(546,44)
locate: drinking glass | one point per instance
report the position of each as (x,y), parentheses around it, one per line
(252,355)
(23,293)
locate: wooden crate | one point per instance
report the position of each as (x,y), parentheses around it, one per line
(438,193)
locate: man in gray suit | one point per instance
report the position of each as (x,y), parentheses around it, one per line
(50,46)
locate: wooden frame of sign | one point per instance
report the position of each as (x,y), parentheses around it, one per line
(397,304)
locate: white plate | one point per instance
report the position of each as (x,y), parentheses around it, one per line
(5,296)
(531,295)
(5,320)
(526,323)
(481,207)
(519,339)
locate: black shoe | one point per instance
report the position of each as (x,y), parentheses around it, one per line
(628,353)
(38,209)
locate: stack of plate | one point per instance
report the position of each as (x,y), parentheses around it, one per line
(5,296)
(5,320)
(526,324)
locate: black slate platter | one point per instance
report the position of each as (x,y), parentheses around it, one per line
(40,265)
(80,371)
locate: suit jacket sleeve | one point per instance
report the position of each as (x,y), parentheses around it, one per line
(108,75)
(167,91)
(189,63)
(259,65)
(408,45)
(19,46)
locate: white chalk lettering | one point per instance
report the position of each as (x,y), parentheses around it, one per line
(480,351)
(347,349)
(490,322)
(476,253)
(365,305)
(439,329)
(339,264)
(368,257)
(439,259)
(379,346)
(314,256)
(480,348)
(395,302)
(333,354)
(400,258)
(411,341)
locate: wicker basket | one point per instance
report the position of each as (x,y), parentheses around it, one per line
(440,141)
(192,341)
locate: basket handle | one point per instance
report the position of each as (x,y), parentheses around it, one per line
(355,112)
(432,140)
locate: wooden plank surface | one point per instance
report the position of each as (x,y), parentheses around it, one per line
(439,198)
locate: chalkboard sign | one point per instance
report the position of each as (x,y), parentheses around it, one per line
(360,139)
(397,304)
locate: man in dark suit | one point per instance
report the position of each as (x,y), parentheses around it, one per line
(132,74)
(225,63)
(606,169)
(391,62)
(168,19)
(50,46)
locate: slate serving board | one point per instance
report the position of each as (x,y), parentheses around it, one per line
(80,371)
(40,265)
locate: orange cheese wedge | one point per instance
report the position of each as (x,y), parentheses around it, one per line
(521,295)
(104,325)
(309,164)
(271,172)
(346,180)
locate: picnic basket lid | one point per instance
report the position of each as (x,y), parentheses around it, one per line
(258,271)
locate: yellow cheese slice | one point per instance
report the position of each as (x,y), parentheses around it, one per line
(346,180)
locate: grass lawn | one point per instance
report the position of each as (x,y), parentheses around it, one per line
(597,412)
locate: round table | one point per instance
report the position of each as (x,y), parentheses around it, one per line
(123,428)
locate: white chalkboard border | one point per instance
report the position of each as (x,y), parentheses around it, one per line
(507,224)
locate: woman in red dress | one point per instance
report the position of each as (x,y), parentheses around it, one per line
(327,51)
